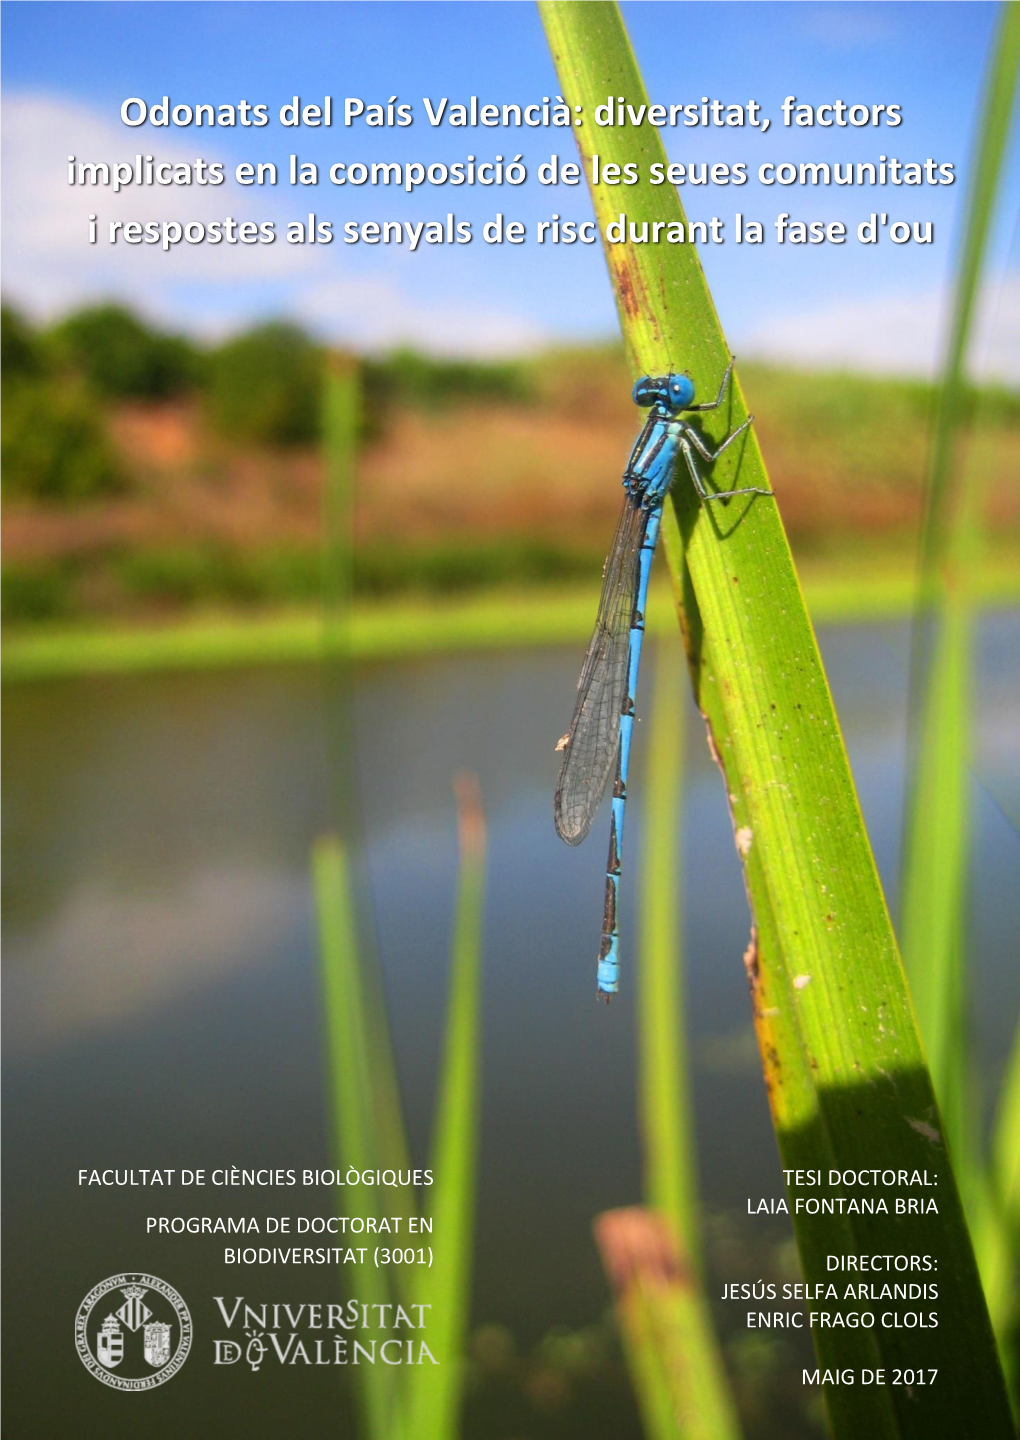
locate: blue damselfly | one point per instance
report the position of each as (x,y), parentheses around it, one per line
(603,718)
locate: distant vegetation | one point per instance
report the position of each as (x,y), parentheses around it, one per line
(142,472)
(54,448)
(407,378)
(120,357)
(261,387)
(54,445)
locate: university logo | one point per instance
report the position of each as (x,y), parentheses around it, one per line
(133,1332)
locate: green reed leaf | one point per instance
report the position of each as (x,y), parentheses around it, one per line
(846,1076)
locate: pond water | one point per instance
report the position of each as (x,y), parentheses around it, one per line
(162,993)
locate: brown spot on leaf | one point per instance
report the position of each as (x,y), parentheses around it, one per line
(627,290)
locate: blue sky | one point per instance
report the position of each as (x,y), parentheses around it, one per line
(67,68)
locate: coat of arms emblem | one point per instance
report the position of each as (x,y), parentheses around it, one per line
(133,1312)
(157,1344)
(110,1343)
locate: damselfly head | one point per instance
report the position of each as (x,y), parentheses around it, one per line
(673,392)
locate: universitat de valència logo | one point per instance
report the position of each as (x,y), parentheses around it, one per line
(133,1332)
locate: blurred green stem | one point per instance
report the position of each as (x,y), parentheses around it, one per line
(341,417)
(353,1106)
(666,1108)
(436,1394)
(937,835)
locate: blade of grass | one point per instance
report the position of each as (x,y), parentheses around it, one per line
(935,881)
(842,1058)
(670,1179)
(937,841)
(341,407)
(667,1332)
(954,396)
(937,828)
(435,1393)
(1002,1238)
(341,417)
(367,1111)
(353,1110)
(667,1385)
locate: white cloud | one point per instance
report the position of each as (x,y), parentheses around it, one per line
(377,314)
(49,267)
(896,334)
(49,264)
(847,27)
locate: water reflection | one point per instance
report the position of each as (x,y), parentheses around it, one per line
(162,991)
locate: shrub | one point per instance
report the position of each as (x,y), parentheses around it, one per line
(205,574)
(53,446)
(20,354)
(39,591)
(121,357)
(410,378)
(264,386)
